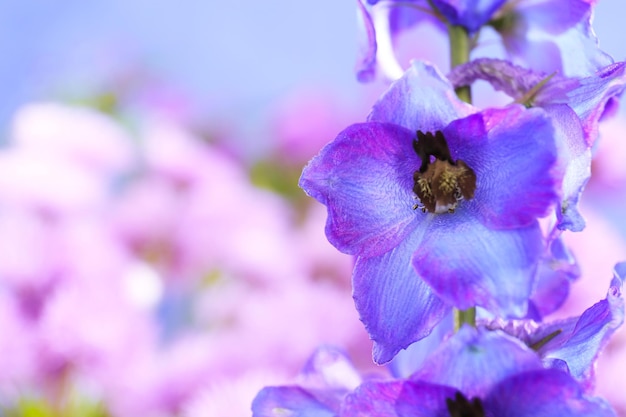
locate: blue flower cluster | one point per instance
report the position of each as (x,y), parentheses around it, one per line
(455,216)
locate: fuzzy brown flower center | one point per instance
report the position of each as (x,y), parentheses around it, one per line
(440,183)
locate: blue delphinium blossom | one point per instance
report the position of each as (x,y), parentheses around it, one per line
(501,368)
(477,373)
(546,35)
(565,98)
(551,35)
(579,340)
(443,218)
(571,345)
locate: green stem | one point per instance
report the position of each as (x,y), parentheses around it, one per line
(462,317)
(459,54)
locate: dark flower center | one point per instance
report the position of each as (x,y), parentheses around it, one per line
(440,183)
(460,406)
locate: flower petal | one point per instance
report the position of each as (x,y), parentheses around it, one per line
(575,158)
(292,401)
(473,360)
(411,359)
(471,14)
(555,36)
(395,305)
(556,272)
(545,392)
(423,99)
(372,398)
(588,97)
(366,63)
(514,155)
(329,368)
(365,179)
(421,399)
(468,264)
(581,339)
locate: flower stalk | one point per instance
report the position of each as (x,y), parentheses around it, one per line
(462,317)
(459,54)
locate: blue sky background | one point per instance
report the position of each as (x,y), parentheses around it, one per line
(232,56)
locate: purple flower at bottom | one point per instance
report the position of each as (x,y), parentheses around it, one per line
(571,345)
(477,373)
(443,218)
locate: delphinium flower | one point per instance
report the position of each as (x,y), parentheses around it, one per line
(423,248)
(477,373)
(548,36)
(571,344)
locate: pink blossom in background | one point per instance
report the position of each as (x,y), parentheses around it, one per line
(81,136)
(306,119)
(145,270)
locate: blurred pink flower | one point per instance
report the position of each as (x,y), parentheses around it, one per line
(305,120)
(79,136)
(232,396)
(148,272)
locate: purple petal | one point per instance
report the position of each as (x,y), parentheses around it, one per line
(396,306)
(545,392)
(555,16)
(381,26)
(365,179)
(575,156)
(581,339)
(517,176)
(555,274)
(421,399)
(293,401)
(421,100)
(329,368)
(366,63)
(372,398)
(468,264)
(471,14)
(554,36)
(473,360)
(411,359)
(588,97)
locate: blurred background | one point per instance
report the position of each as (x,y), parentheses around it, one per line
(156,255)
